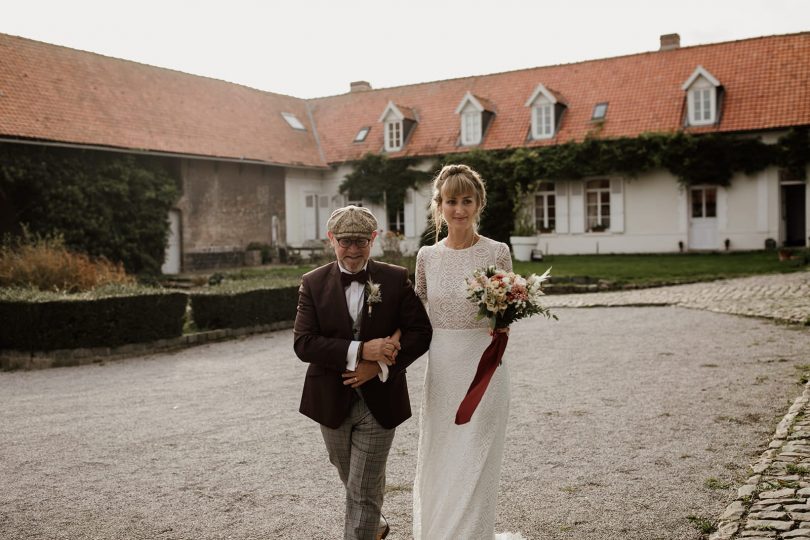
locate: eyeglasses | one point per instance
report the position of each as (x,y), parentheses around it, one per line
(347,242)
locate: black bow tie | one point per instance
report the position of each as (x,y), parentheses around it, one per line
(360,277)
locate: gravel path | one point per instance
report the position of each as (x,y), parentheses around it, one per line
(620,416)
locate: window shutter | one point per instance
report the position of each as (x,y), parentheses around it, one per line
(616,205)
(576,208)
(561,203)
(410,211)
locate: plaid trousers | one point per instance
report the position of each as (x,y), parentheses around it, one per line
(359,450)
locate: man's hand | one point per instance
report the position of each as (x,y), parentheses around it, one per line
(383,350)
(365,372)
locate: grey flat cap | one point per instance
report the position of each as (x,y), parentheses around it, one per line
(352,222)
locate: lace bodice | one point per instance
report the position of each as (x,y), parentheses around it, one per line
(441,274)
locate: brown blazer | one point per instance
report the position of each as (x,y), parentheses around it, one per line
(323,332)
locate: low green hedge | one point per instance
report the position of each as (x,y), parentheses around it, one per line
(43,323)
(237,309)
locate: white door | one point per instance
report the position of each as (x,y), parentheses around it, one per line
(703,217)
(171,260)
(310,216)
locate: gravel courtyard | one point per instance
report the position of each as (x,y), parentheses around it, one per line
(624,422)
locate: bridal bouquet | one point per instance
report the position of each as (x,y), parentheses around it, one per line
(501,297)
(505,297)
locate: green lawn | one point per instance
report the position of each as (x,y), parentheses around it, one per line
(662,268)
(641,270)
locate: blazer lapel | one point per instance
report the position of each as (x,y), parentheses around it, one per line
(336,300)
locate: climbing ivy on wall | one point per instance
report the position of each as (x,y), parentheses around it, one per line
(692,159)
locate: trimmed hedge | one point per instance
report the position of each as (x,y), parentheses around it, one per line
(84,323)
(240,309)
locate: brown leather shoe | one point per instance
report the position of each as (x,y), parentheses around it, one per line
(384,529)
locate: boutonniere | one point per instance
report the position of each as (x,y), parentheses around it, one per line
(373,295)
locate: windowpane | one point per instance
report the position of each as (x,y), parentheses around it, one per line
(711,202)
(697,203)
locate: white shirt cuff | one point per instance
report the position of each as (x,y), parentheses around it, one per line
(351,356)
(383,374)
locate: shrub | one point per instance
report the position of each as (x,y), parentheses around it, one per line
(104,204)
(236,309)
(110,316)
(44,263)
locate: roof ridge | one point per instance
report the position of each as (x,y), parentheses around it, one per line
(167,69)
(561,64)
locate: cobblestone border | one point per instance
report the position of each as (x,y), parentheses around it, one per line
(774,503)
(12,360)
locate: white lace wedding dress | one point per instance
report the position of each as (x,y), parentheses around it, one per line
(458,467)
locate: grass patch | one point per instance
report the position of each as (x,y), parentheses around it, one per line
(792,468)
(705,526)
(715,483)
(645,270)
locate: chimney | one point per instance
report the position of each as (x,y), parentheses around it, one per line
(359,86)
(670,41)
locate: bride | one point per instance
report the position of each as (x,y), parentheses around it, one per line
(458,467)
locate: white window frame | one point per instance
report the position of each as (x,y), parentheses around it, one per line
(702,106)
(393,135)
(470,127)
(701,98)
(543,120)
(546,196)
(601,221)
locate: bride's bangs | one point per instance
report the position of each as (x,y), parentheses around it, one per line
(458,185)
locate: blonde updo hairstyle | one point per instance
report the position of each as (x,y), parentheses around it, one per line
(456,180)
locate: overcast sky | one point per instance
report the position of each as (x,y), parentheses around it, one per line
(311,48)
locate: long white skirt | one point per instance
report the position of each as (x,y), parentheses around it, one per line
(458,467)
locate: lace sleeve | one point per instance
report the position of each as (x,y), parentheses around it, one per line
(421,282)
(503,259)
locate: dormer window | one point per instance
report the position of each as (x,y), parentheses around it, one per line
(547,108)
(398,121)
(470,127)
(393,135)
(702,90)
(476,114)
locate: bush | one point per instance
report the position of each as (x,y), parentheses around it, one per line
(104,204)
(224,309)
(44,263)
(117,315)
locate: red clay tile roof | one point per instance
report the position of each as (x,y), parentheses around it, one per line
(59,94)
(766,83)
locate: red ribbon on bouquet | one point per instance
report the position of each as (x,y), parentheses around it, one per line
(489,362)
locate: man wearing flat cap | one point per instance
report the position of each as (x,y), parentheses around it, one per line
(359,326)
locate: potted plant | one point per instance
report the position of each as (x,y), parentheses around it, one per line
(524,235)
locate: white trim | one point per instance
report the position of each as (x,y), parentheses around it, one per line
(393,130)
(616,205)
(548,120)
(469,98)
(393,109)
(471,134)
(541,90)
(576,208)
(700,71)
(702,81)
(696,106)
(561,200)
